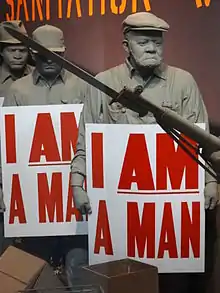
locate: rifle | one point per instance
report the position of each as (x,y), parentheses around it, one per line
(172,123)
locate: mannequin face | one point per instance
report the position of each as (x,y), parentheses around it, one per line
(47,68)
(145,48)
(14,56)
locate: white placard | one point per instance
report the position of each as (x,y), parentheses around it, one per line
(147,198)
(37,146)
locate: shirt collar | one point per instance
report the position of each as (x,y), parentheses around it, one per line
(37,76)
(5,73)
(160,71)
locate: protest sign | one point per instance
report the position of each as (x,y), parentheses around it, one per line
(37,144)
(147,198)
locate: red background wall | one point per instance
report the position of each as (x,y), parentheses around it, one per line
(193,42)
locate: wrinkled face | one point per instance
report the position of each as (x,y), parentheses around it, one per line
(15,56)
(47,67)
(145,48)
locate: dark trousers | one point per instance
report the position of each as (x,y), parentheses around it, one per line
(214,281)
(52,249)
(4,242)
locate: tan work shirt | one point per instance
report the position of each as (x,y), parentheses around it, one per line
(7,78)
(33,89)
(168,87)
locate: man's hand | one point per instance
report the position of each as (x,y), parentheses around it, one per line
(211,195)
(81,200)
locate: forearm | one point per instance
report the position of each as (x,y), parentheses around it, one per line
(208,177)
(78,169)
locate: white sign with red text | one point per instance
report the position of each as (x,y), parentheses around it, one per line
(147,198)
(37,144)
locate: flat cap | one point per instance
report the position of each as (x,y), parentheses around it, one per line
(50,37)
(5,37)
(144,21)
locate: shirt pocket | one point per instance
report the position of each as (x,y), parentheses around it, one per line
(172,105)
(64,101)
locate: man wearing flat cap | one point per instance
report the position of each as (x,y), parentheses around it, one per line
(167,86)
(48,84)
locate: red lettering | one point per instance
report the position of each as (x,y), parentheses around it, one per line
(12,10)
(103,235)
(167,236)
(10,138)
(69,134)
(50,200)
(136,166)
(16,205)
(97,160)
(71,210)
(190,230)
(44,141)
(140,232)
(175,162)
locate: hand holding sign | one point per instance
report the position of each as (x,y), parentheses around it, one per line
(81,200)
(211,195)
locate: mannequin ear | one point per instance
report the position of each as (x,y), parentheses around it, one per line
(125,45)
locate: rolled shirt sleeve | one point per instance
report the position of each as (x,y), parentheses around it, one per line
(90,114)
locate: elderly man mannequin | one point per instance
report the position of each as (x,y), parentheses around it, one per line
(167,86)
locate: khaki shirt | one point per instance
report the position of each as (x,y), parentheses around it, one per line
(7,78)
(34,90)
(168,87)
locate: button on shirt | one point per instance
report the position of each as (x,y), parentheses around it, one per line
(168,87)
(34,90)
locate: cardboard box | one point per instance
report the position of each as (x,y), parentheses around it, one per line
(18,270)
(124,276)
(47,281)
